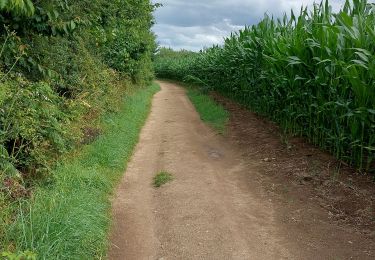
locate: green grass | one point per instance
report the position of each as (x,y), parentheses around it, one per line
(162,178)
(70,217)
(210,112)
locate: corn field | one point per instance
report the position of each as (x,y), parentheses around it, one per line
(312,73)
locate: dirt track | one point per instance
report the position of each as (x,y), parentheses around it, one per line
(215,208)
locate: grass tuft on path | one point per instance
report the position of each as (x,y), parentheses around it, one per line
(162,178)
(70,217)
(210,112)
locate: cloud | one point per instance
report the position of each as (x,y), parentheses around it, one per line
(196,24)
(194,37)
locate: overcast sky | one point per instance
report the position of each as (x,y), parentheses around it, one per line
(194,24)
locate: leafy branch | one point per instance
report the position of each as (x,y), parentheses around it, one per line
(21,52)
(18,7)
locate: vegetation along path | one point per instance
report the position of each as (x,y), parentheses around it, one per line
(216,206)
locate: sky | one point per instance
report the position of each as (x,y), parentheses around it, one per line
(195,24)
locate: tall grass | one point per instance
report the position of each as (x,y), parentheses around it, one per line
(313,73)
(69,218)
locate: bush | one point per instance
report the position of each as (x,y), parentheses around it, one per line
(63,64)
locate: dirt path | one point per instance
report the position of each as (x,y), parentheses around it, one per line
(215,208)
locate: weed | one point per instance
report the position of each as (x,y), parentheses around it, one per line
(285,140)
(162,178)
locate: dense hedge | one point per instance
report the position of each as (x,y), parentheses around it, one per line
(314,74)
(63,62)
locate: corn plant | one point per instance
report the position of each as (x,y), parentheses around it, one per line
(313,73)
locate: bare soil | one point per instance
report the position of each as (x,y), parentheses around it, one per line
(245,195)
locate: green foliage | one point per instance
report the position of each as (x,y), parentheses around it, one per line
(130,50)
(18,7)
(312,73)
(63,64)
(33,124)
(27,255)
(60,62)
(69,217)
(173,65)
